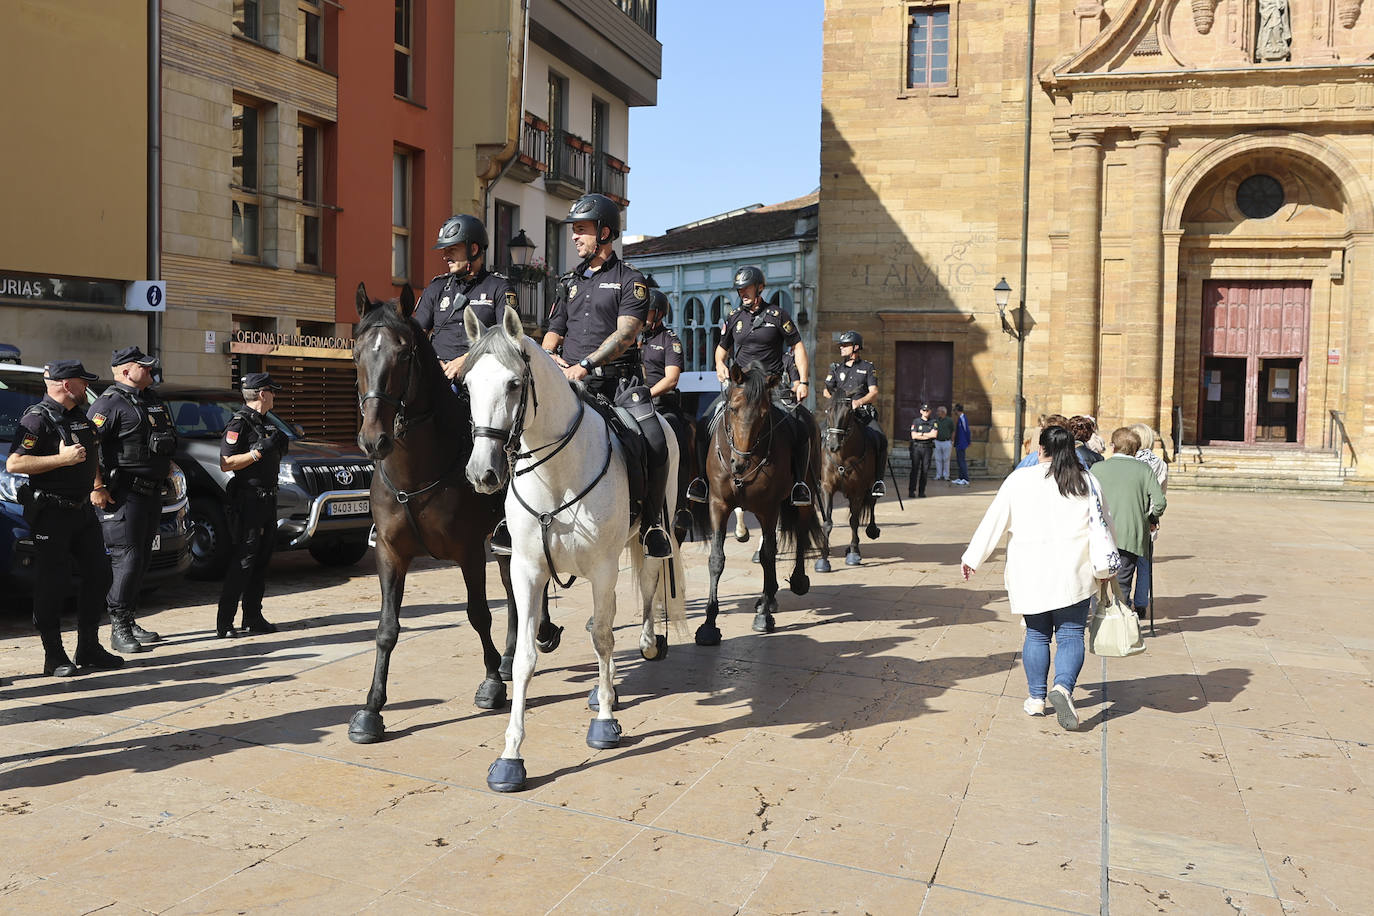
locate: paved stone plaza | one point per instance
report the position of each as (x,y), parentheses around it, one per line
(871,756)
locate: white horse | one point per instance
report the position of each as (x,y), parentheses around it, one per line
(568,510)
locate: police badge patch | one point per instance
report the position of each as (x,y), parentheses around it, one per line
(231,436)
(29,441)
(641,290)
(787,327)
(98,419)
(443,303)
(739,326)
(572,291)
(510,298)
(677,347)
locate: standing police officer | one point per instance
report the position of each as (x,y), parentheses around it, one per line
(598,315)
(923,433)
(466,284)
(856,378)
(137,440)
(252,449)
(55,446)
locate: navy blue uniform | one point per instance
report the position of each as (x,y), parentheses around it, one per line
(588,310)
(441,305)
(763,336)
(851,381)
(253,513)
(659,350)
(922,455)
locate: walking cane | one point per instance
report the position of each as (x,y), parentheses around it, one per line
(1150,558)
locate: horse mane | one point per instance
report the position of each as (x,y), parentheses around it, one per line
(495,342)
(755,383)
(386,315)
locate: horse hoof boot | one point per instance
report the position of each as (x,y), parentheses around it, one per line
(365,727)
(507,669)
(763,623)
(549,641)
(742,535)
(852,558)
(603,733)
(872,531)
(708,635)
(823,565)
(491,694)
(755,558)
(594,704)
(800,585)
(506,775)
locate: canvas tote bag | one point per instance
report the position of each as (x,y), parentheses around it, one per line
(1114,630)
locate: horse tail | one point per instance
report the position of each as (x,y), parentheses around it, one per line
(799,528)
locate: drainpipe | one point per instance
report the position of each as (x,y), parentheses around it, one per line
(154,242)
(1025,239)
(514,120)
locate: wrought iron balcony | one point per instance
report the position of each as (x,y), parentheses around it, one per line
(608,177)
(567,175)
(643,12)
(533,158)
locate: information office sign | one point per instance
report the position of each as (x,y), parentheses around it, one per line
(272,343)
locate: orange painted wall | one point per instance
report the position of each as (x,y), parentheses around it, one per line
(372,123)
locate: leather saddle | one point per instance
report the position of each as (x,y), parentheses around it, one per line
(633,421)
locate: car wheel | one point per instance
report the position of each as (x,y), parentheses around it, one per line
(338,553)
(208,534)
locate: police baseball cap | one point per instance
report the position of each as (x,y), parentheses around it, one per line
(67,368)
(925,407)
(133,355)
(259,381)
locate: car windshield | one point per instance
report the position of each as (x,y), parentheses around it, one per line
(206,419)
(18,390)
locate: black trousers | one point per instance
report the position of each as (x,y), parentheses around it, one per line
(922,457)
(129,525)
(67,541)
(253,521)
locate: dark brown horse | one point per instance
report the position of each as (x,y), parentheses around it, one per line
(418,430)
(749,465)
(850,464)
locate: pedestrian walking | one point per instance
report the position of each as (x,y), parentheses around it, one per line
(1136,501)
(944,442)
(963,437)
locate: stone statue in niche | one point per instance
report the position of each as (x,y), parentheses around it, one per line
(1275,34)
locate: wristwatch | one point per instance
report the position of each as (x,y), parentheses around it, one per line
(586,364)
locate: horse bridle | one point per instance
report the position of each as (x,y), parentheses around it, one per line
(401,421)
(739,480)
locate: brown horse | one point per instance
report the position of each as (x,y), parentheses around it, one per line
(418,430)
(850,465)
(758,437)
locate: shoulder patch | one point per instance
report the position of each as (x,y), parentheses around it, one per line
(231,436)
(510,298)
(98,420)
(677,347)
(787,327)
(29,441)
(641,290)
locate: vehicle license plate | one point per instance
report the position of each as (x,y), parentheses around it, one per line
(157,542)
(350,507)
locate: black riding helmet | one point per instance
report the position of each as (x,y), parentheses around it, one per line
(748,276)
(599,209)
(462,229)
(852,338)
(658,302)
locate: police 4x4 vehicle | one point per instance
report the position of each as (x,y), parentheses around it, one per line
(21,387)
(323,488)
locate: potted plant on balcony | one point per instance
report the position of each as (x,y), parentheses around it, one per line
(536,271)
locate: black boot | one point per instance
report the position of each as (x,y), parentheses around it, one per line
(122,637)
(142,635)
(91,654)
(55,660)
(500,540)
(257,625)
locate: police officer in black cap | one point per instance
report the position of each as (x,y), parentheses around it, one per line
(923,433)
(56,446)
(252,450)
(137,440)
(856,378)
(467,284)
(600,310)
(763,333)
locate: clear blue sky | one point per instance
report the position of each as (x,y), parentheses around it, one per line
(738,119)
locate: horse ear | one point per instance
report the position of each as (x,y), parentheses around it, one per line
(362,300)
(772,380)
(736,374)
(407,301)
(472,325)
(511,322)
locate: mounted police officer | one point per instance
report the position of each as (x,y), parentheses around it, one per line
(763,333)
(661,355)
(137,440)
(56,446)
(600,310)
(252,449)
(856,378)
(467,284)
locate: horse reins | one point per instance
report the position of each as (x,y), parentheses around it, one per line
(740,480)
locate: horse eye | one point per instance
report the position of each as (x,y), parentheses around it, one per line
(513,385)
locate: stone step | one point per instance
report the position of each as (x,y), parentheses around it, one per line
(1342,492)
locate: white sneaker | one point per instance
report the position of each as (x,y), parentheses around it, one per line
(1064,708)
(1034,707)
(961,482)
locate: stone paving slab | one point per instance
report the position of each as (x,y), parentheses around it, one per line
(871,756)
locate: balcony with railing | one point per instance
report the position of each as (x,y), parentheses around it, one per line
(567,175)
(608,177)
(533,158)
(643,12)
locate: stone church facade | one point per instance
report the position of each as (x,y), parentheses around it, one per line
(1200,222)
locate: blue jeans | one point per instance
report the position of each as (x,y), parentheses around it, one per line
(963,462)
(1137,567)
(1066,625)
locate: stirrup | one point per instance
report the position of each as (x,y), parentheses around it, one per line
(697,492)
(879,489)
(500,540)
(656,543)
(801,494)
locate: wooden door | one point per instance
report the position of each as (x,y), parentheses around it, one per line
(924,375)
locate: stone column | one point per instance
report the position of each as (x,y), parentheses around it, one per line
(1144,323)
(1076,342)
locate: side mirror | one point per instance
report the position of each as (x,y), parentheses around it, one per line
(297,430)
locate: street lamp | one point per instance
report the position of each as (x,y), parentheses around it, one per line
(1016,329)
(521,249)
(1002,294)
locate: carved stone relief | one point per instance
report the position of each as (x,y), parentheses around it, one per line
(1275,36)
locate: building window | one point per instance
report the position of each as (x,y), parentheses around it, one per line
(931,47)
(601,114)
(553,246)
(404,79)
(247,19)
(401,170)
(310,32)
(309,166)
(507,218)
(695,337)
(246,200)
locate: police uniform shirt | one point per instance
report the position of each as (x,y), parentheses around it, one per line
(594,305)
(440,309)
(116,419)
(763,336)
(923,426)
(245,429)
(851,381)
(37,435)
(660,350)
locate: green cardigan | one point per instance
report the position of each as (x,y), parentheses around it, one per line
(1133,494)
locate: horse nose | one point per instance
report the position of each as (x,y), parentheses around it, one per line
(489,479)
(738,466)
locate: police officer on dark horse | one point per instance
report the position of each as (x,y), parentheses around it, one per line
(661,357)
(856,378)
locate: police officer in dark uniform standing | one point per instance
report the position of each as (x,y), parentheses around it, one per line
(856,378)
(923,433)
(252,450)
(466,284)
(56,446)
(137,440)
(600,310)
(763,333)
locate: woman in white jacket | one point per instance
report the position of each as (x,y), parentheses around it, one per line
(1061,542)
